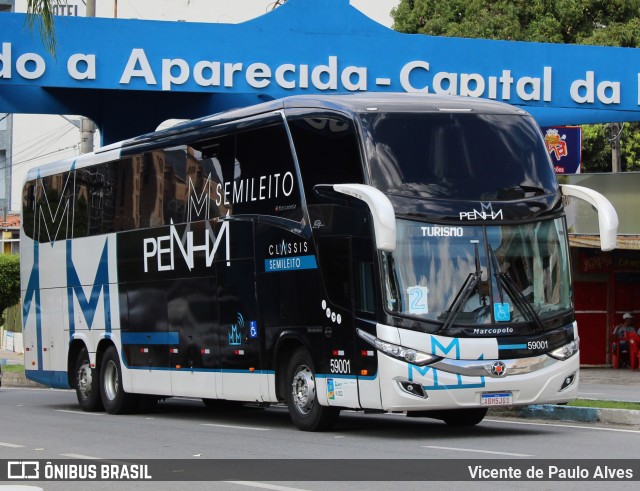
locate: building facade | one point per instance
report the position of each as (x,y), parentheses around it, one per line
(607,284)
(6,133)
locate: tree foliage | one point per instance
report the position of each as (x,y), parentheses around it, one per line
(596,146)
(592,22)
(597,22)
(41,12)
(9,281)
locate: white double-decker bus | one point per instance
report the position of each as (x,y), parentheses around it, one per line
(379,252)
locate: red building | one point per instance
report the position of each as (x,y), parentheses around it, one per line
(606,284)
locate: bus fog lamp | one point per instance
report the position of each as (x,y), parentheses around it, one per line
(568,381)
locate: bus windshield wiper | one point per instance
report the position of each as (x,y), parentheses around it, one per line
(505,282)
(470,285)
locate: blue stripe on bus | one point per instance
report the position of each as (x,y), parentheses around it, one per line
(150,337)
(206,370)
(290,263)
(479,385)
(50,378)
(512,346)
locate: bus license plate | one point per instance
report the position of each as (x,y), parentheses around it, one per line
(497,399)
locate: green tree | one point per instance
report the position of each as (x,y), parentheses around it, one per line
(41,12)
(611,23)
(593,22)
(9,281)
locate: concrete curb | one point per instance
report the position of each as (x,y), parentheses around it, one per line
(626,417)
(17,380)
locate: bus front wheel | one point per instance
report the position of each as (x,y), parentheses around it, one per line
(302,397)
(87,383)
(114,398)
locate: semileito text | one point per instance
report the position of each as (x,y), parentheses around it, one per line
(255,189)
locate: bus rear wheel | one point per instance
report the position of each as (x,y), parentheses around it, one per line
(87,383)
(302,398)
(114,398)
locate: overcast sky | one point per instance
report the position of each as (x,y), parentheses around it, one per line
(39,139)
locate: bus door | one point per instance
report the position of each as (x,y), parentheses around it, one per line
(238,335)
(336,260)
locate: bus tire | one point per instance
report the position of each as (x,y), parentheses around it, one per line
(465,417)
(87,383)
(302,398)
(114,398)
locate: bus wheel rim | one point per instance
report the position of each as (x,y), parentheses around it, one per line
(304,389)
(85,380)
(111,381)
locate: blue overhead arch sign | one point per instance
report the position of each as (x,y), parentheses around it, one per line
(130,75)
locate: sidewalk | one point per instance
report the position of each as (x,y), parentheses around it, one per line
(603,384)
(12,379)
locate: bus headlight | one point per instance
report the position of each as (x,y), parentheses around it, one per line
(566,351)
(409,355)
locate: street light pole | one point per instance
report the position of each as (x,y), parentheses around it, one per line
(87,128)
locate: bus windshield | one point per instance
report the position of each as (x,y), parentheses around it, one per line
(458,156)
(470,275)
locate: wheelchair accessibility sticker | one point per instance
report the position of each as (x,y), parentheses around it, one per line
(502,312)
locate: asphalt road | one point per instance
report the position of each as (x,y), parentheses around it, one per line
(47,424)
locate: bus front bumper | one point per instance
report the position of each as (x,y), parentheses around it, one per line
(452,384)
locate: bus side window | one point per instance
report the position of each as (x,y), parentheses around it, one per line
(265,175)
(53,208)
(334,256)
(327,151)
(28,208)
(364,295)
(210,164)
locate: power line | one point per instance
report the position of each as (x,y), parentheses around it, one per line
(16,165)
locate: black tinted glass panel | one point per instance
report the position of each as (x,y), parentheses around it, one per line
(327,151)
(458,156)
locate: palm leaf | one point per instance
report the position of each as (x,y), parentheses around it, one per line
(41,12)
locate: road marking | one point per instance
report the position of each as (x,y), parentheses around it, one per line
(478,451)
(79,456)
(597,428)
(265,486)
(10,445)
(70,411)
(237,427)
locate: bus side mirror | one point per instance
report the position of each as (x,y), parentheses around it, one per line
(384,217)
(607,216)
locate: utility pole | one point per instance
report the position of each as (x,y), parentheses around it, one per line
(87,128)
(616,132)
